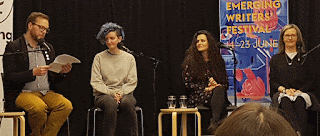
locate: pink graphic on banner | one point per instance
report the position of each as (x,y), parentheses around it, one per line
(272,22)
(239,75)
(253,87)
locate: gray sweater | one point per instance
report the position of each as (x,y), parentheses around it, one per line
(113,73)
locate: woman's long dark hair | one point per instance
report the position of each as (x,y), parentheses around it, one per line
(197,64)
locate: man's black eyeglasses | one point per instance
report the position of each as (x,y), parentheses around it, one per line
(42,28)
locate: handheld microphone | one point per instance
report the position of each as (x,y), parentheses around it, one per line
(43,42)
(299,49)
(222,45)
(299,53)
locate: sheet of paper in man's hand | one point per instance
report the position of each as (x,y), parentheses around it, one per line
(56,65)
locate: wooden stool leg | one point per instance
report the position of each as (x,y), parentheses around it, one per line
(22,125)
(15,126)
(184,124)
(160,123)
(199,123)
(16,116)
(174,123)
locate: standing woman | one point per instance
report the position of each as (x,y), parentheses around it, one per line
(291,81)
(205,76)
(113,79)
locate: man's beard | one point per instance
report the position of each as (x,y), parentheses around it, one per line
(35,37)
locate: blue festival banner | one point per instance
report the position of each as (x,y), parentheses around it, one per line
(252,28)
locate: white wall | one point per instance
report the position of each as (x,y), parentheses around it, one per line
(6,27)
(6,127)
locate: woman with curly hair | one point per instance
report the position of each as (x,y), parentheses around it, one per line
(205,77)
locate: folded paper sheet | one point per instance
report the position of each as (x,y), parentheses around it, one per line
(56,65)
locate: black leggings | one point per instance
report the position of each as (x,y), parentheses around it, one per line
(218,104)
(295,112)
(110,106)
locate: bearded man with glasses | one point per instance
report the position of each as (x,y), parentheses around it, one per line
(27,78)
